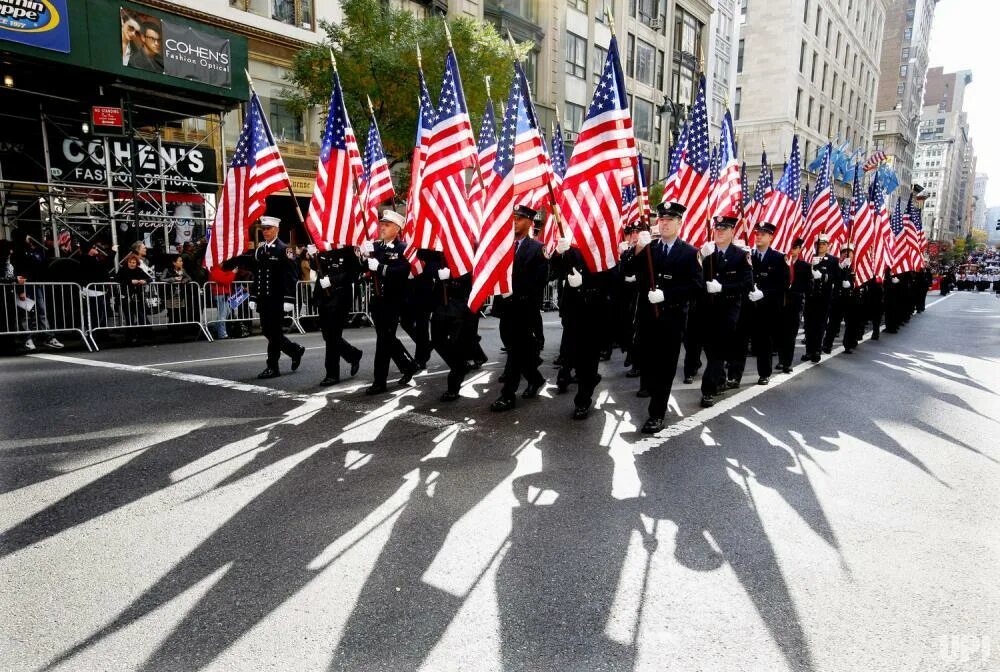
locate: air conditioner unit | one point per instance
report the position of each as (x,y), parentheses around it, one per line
(570,135)
(655,24)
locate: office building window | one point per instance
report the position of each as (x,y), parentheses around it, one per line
(687,32)
(837,53)
(903,70)
(829,29)
(798,105)
(802,58)
(642,116)
(660,69)
(578,4)
(812,75)
(805,13)
(600,57)
(739,56)
(819,20)
(819,120)
(880,125)
(736,103)
(822,86)
(292,12)
(743,7)
(645,66)
(573,117)
(286,126)
(576,56)
(809,112)
(630,56)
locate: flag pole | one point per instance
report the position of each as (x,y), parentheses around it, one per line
(291,192)
(531,101)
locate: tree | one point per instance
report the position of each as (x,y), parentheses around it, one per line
(376,50)
(655,194)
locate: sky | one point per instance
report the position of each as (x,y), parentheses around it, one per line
(964,37)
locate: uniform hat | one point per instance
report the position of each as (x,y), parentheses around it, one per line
(767,227)
(270,221)
(798,242)
(524,211)
(847,247)
(629,228)
(822,238)
(727,219)
(392,217)
(670,209)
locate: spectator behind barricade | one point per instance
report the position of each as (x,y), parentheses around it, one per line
(134,282)
(194,261)
(30,263)
(180,299)
(222,288)
(141,253)
(8,297)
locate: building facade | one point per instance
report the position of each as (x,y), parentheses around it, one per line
(979,201)
(943,159)
(721,74)
(903,70)
(809,67)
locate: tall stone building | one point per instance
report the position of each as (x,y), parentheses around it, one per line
(721,72)
(943,158)
(979,201)
(809,67)
(901,83)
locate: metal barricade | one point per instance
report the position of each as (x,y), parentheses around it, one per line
(305,307)
(229,310)
(154,304)
(47,308)
(550,298)
(361,294)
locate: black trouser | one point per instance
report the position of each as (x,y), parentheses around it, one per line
(693,341)
(272,317)
(736,362)
(766,324)
(920,297)
(837,314)
(584,341)
(387,344)
(854,323)
(718,318)
(331,323)
(658,358)
(816,313)
(892,308)
(518,329)
(416,321)
(873,308)
(791,317)
(453,335)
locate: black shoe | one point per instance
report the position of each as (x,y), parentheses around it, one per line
(478,363)
(297,358)
(562,384)
(688,380)
(652,426)
(531,391)
(501,405)
(376,388)
(805,358)
(874,337)
(329,380)
(449,396)
(787,368)
(356,366)
(707,401)
(407,376)
(558,361)
(581,412)
(815,359)
(268,373)
(633,373)
(642,394)
(827,349)
(763,380)
(419,366)
(848,351)
(732,384)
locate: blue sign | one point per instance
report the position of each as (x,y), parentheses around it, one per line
(37,23)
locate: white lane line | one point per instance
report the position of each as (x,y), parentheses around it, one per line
(414,417)
(215,359)
(728,403)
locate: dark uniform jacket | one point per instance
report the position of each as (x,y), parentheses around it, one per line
(393,270)
(770,273)
(596,287)
(274,273)
(732,270)
(343,268)
(677,274)
(799,277)
(529,277)
(829,268)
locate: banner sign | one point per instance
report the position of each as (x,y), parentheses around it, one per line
(170,48)
(187,168)
(36,23)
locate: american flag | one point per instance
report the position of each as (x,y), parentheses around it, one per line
(671,188)
(601,163)
(557,163)
(335,216)
(558,152)
(863,233)
(782,208)
(255,172)
(634,194)
(727,195)
(376,180)
(875,160)
(900,247)
(417,229)
(713,178)
(918,224)
(746,193)
(444,201)
(824,212)
(883,250)
(486,150)
(695,183)
(519,168)
(761,192)
(915,254)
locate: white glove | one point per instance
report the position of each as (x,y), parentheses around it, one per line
(287,307)
(373,264)
(507,295)
(816,260)
(629,278)
(444,273)
(253,306)
(574,278)
(324,282)
(816,274)
(713,286)
(311,249)
(623,247)
(367,247)
(562,247)
(655,296)
(756,295)
(708,249)
(846,263)
(846,284)
(895,281)
(644,239)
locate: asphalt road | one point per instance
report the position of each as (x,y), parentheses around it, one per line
(161,509)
